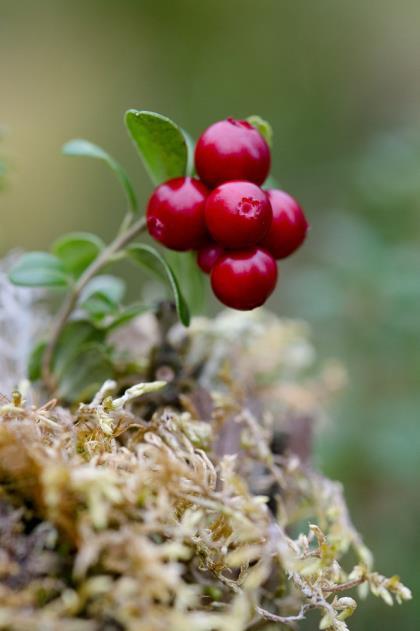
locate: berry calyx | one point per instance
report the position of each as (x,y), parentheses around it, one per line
(289,225)
(244,279)
(232,150)
(238,214)
(208,255)
(175,214)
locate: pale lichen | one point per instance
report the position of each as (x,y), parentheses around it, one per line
(22,319)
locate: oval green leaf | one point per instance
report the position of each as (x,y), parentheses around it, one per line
(184,265)
(84,373)
(124,315)
(97,307)
(271,182)
(102,296)
(77,251)
(110,286)
(80,363)
(147,257)
(81,147)
(190,171)
(35,361)
(75,334)
(263,127)
(160,143)
(39,269)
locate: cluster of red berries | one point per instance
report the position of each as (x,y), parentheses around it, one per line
(237,228)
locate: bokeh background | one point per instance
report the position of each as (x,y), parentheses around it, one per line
(340,83)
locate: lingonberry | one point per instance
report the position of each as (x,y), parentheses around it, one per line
(238,214)
(289,226)
(208,255)
(244,279)
(175,214)
(232,150)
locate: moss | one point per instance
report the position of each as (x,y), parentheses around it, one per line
(182,520)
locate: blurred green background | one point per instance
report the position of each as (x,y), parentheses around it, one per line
(340,83)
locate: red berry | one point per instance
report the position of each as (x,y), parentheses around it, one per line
(244,279)
(288,228)
(208,255)
(175,214)
(238,214)
(232,150)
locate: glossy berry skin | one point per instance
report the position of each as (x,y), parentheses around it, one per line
(238,214)
(232,150)
(175,214)
(244,279)
(208,255)
(289,226)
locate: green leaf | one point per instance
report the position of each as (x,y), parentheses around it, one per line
(80,362)
(160,143)
(102,296)
(148,261)
(184,265)
(271,182)
(81,147)
(39,269)
(97,307)
(110,286)
(35,361)
(190,153)
(263,127)
(76,334)
(146,256)
(77,251)
(84,373)
(125,315)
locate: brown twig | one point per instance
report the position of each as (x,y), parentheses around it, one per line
(287,620)
(343,587)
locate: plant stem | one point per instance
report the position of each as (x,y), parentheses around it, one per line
(120,241)
(343,587)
